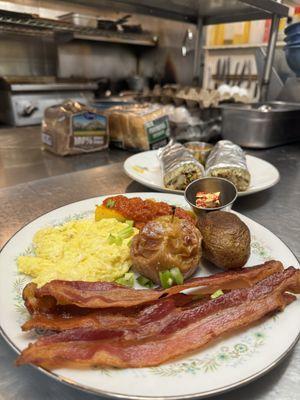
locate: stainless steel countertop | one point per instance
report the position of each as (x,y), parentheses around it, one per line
(23,160)
(276,208)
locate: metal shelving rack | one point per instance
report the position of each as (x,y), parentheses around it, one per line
(199,12)
(210,11)
(207,12)
(64,31)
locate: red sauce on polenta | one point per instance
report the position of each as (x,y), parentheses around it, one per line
(143,211)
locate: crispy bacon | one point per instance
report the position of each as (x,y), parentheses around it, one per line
(108,295)
(106,319)
(188,332)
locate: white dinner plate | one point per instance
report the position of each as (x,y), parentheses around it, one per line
(145,168)
(224,365)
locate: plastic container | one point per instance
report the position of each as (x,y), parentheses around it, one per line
(80,19)
(292,29)
(292,39)
(292,54)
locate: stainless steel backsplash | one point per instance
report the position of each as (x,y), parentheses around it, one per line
(38,56)
(21,55)
(93,60)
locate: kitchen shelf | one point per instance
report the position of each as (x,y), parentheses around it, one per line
(241,46)
(66,31)
(139,39)
(211,11)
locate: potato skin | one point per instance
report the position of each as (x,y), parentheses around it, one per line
(226,239)
(165,243)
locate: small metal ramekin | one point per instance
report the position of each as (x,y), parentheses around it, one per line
(200,150)
(228,193)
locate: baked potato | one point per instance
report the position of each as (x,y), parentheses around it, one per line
(166,243)
(226,239)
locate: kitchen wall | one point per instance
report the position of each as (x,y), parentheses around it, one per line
(95,59)
(21,55)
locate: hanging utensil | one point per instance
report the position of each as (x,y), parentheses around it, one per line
(256,89)
(228,71)
(218,73)
(242,74)
(223,73)
(236,72)
(249,75)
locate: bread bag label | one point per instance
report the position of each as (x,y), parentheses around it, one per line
(89,130)
(47,139)
(158,132)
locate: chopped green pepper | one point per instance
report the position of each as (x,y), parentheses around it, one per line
(129,222)
(114,240)
(126,232)
(176,275)
(217,294)
(166,279)
(143,281)
(127,279)
(110,203)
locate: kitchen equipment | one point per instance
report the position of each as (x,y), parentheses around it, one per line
(200,150)
(236,72)
(111,25)
(24,99)
(228,65)
(256,89)
(137,83)
(292,39)
(249,125)
(224,71)
(228,193)
(292,49)
(242,74)
(187,42)
(292,54)
(132,28)
(79,19)
(249,74)
(292,29)
(218,72)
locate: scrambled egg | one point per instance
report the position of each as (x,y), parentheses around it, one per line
(79,250)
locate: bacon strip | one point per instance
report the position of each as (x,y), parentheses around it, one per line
(108,318)
(238,308)
(108,295)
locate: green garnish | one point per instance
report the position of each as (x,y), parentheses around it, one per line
(129,242)
(126,232)
(126,280)
(110,203)
(176,275)
(129,222)
(170,277)
(217,294)
(143,281)
(166,279)
(114,240)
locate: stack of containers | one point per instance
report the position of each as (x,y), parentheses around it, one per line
(292,48)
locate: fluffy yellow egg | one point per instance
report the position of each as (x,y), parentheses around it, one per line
(80,250)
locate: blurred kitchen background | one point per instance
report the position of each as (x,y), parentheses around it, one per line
(189,57)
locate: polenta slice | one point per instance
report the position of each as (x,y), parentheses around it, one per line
(103,212)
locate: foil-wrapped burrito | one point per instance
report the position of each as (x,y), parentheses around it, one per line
(179,167)
(227,160)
